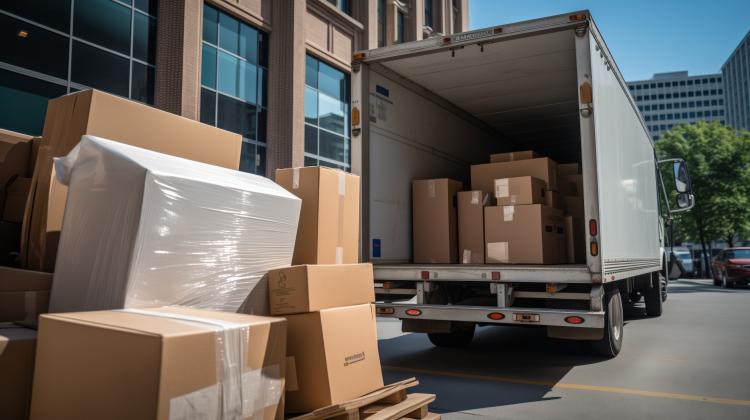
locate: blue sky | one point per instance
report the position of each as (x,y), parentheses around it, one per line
(645,37)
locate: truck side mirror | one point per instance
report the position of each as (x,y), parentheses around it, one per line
(684,200)
(681,179)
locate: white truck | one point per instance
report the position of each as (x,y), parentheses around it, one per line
(431,108)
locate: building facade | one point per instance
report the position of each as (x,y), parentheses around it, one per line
(736,73)
(668,99)
(275,71)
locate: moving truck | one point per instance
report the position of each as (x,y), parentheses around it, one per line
(431,108)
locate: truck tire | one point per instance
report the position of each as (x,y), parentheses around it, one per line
(458,338)
(653,297)
(611,343)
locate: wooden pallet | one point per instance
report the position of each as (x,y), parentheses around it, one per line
(388,403)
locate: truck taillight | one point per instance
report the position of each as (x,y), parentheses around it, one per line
(575,320)
(495,316)
(594,248)
(425,275)
(593,227)
(413,312)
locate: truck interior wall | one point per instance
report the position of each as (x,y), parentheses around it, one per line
(412,137)
(627,189)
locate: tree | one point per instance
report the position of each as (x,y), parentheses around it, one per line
(718,159)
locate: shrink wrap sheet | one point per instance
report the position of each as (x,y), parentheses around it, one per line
(145,229)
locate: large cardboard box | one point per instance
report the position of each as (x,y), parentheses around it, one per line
(17,346)
(160,363)
(309,288)
(526,234)
(143,229)
(434,229)
(15,200)
(329,221)
(334,357)
(519,190)
(575,240)
(483,176)
(15,154)
(568,169)
(471,226)
(23,294)
(571,185)
(511,156)
(101,114)
(574,207)
(554,199)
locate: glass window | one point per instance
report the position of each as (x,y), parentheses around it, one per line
(653,85)
(34,48)
(144,37)
(668,96)
(381,23)
(669,106)
(23,102)
(142,85)
(53,14)
(697,93)
(343,5)
(327,139)
(660,85)
(428,15)
(684,115)
(712,80)
(400,27)
(713,91)
(233,83)
(146,6)
(100,69)
(690,83)
(721,91)
(104,23)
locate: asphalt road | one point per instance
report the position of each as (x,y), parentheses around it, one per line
(693,362)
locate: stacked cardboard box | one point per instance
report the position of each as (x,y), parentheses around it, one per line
(571,186)
(434,220)
(16,167)
(326,298)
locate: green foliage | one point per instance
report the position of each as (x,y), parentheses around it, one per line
(718,160)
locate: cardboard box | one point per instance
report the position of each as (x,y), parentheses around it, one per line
(160,363)
(36,144)
(574,207)
(568,169)
(483,176)
(17,347)
(571,185)
(511,156)
(554,199)
(309,288)
(471,226)
(143,229)
(101,114)
(575,240)
(526,234)
(334,357)
(15,152)
(519,190)
(434,229)
(328,230)
(15,200)
(23,294)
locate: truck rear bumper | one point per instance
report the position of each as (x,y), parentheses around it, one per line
(490,315)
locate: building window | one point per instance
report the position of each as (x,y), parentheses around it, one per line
(327,141)
(456,16)
(234,68)
(343,5)
(400,26)
(428,14)
(382,29)
(50,48)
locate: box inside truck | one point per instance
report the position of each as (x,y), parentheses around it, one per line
(433,114)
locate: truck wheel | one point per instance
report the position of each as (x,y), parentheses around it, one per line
(653,299)
(459,338)
(611,343)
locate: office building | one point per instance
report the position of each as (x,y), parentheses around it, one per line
(736,73)
(668,99)
(275,71)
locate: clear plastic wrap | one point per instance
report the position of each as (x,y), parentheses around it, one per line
(145,229)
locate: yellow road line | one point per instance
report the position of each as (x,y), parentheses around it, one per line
(580,387)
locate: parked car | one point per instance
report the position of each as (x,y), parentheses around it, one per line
(732,267)
(686,260)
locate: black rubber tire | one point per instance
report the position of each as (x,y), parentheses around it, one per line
(459,338)
(717,282)
(664,289)
(610,344)
(653,298)
(725,283)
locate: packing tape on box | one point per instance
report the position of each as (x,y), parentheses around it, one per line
(508,212)
(497,252)
(466,259)
(295,178)
(475,197)
(238,393)
(502,189)
(431,189)
(342,203)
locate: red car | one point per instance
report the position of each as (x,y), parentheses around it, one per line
(732,266)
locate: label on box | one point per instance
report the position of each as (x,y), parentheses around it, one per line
(502,189)
(498,251)
(508,212)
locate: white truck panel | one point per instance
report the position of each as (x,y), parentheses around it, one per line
(411,137)
(626,172)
